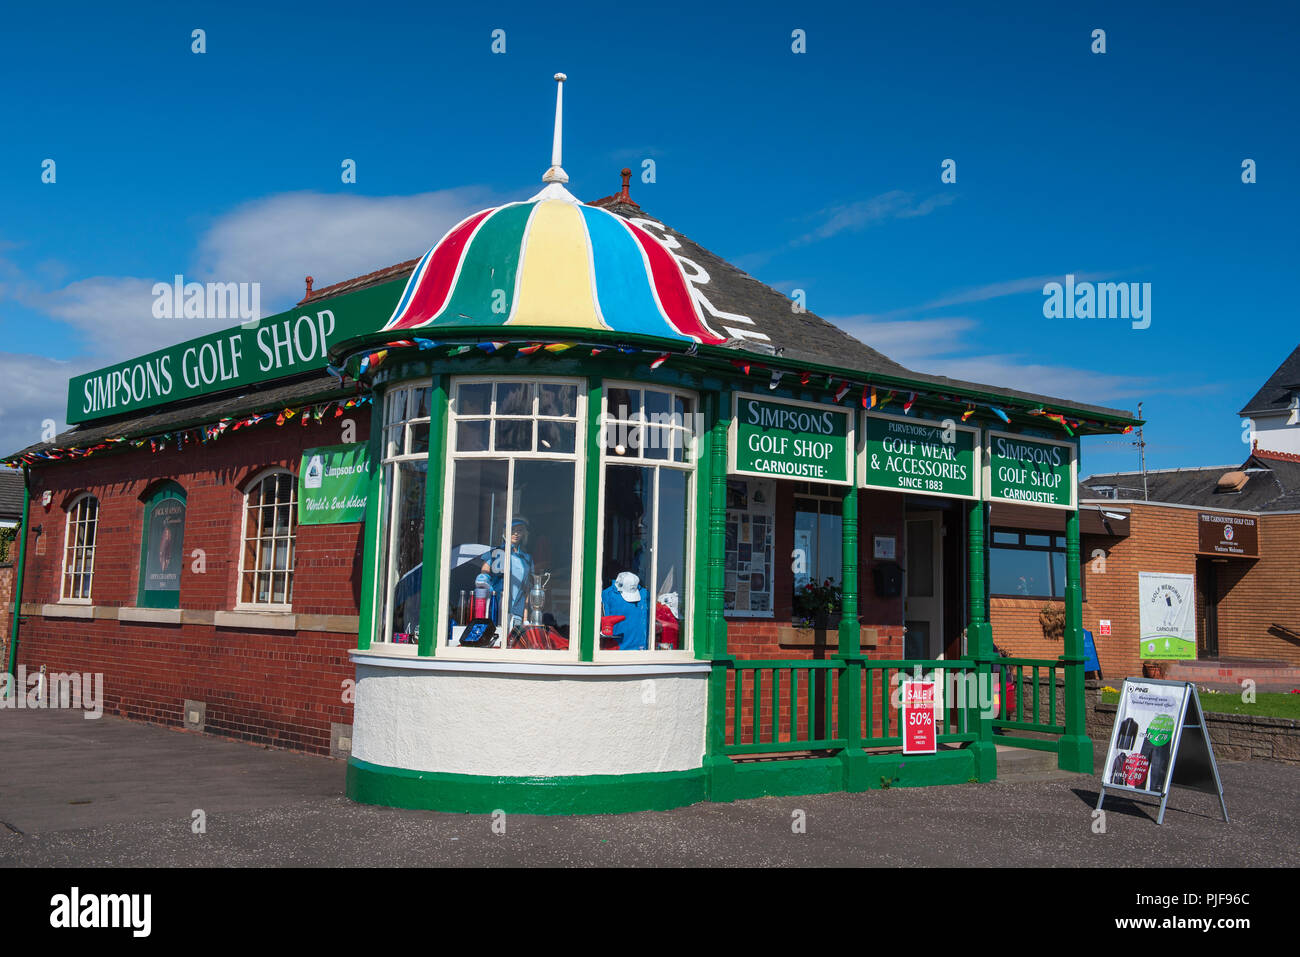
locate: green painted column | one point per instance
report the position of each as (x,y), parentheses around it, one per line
(434,485)
(720,769)
(373,529)
(852,758)
(588,623)
(18,584)
(979,640)
(1075,748)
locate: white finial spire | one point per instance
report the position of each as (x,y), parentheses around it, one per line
(556,173)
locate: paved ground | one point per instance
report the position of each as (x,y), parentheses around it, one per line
(110,792)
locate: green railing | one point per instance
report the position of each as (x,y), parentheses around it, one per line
(882,719)
(1032,682)
(776,706)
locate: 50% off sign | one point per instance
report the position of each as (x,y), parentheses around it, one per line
(920,707)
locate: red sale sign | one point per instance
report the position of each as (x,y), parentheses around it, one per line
(919,726)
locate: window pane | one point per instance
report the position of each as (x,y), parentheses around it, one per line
(408,548)
(804,554)
(1058,575)
(830,547)
(556,436)
(629,507)
(670,560)
(419,443)
(624,403)
(657,404)
(474,399)
(656,442)
(1041,541)
(541,555)
(478,515)
(1015,571)
(514,436)
(1006,538)
(514,398)
(558,399)
(419,408)
(472,436)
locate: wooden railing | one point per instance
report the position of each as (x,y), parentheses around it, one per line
(1032,682)
(882,719)
(779,706)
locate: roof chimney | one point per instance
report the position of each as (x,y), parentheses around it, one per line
(309,282)
(624,196)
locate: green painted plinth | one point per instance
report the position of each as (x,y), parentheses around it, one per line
(1074,753)
(475,794)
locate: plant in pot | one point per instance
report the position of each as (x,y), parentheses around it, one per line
(1052,618)
(814,604)
(1154,668)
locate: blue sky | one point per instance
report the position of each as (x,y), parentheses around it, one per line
(817,171)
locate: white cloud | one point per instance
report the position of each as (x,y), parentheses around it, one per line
(895,204)
(36,389)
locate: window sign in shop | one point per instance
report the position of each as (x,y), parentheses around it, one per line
(1028,471)
(751,521)
(917,455)
(332,484)
(1227,535)
(163,551)
(788,439)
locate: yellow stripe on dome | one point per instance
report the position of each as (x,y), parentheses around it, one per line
(555,276)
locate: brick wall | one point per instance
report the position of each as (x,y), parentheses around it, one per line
(6,612)
(1254,595)
(271,686)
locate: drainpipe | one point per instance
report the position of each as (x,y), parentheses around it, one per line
(18,578)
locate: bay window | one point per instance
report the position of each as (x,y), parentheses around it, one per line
(647,517)
(405,452)
(511,521)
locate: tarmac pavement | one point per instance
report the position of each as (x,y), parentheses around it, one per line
(116,793)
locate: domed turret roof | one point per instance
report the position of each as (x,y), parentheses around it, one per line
(551,263)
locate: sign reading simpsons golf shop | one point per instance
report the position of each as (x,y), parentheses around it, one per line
(257,351)
(916,455)
(1167,615)
(1027,471)
(782,438)
(332,485)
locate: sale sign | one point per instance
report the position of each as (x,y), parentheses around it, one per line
(920,731)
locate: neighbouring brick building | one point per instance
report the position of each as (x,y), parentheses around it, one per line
(1247,589)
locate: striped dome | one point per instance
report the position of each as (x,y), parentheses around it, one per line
(551,262)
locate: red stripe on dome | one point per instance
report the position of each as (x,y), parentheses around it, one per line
(434,287)
(671,289)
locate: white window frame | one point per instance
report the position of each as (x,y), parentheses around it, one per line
(392,454)
(577,457)
(69,545)
(689,465)
(255,483)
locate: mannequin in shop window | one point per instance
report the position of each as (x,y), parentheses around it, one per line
(624,607)
(521,572)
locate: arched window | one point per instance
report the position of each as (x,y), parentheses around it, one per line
(79,549)
(162,547)
(266,558)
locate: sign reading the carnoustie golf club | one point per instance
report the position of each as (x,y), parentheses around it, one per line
(1028,471)
(783,438)
(903,454)
(257,351)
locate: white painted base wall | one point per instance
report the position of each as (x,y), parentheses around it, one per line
(515,725)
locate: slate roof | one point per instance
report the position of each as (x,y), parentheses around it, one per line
(11,495)
(1275,394)
(800,336)
(312,387)
(1272,485)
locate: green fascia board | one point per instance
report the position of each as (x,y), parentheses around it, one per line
(162,373)
(715,359)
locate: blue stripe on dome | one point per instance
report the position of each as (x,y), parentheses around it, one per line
(623,289)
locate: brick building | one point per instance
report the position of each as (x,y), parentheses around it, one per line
(590,516)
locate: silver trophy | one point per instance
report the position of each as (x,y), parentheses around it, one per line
(537,597)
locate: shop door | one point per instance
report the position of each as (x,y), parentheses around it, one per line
(923,601)
(1207,609)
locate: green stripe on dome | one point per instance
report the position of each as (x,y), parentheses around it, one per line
(491,263)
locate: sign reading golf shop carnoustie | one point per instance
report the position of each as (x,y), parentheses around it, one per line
(332,485)
(1027,471)
(917,455)
(789,439)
